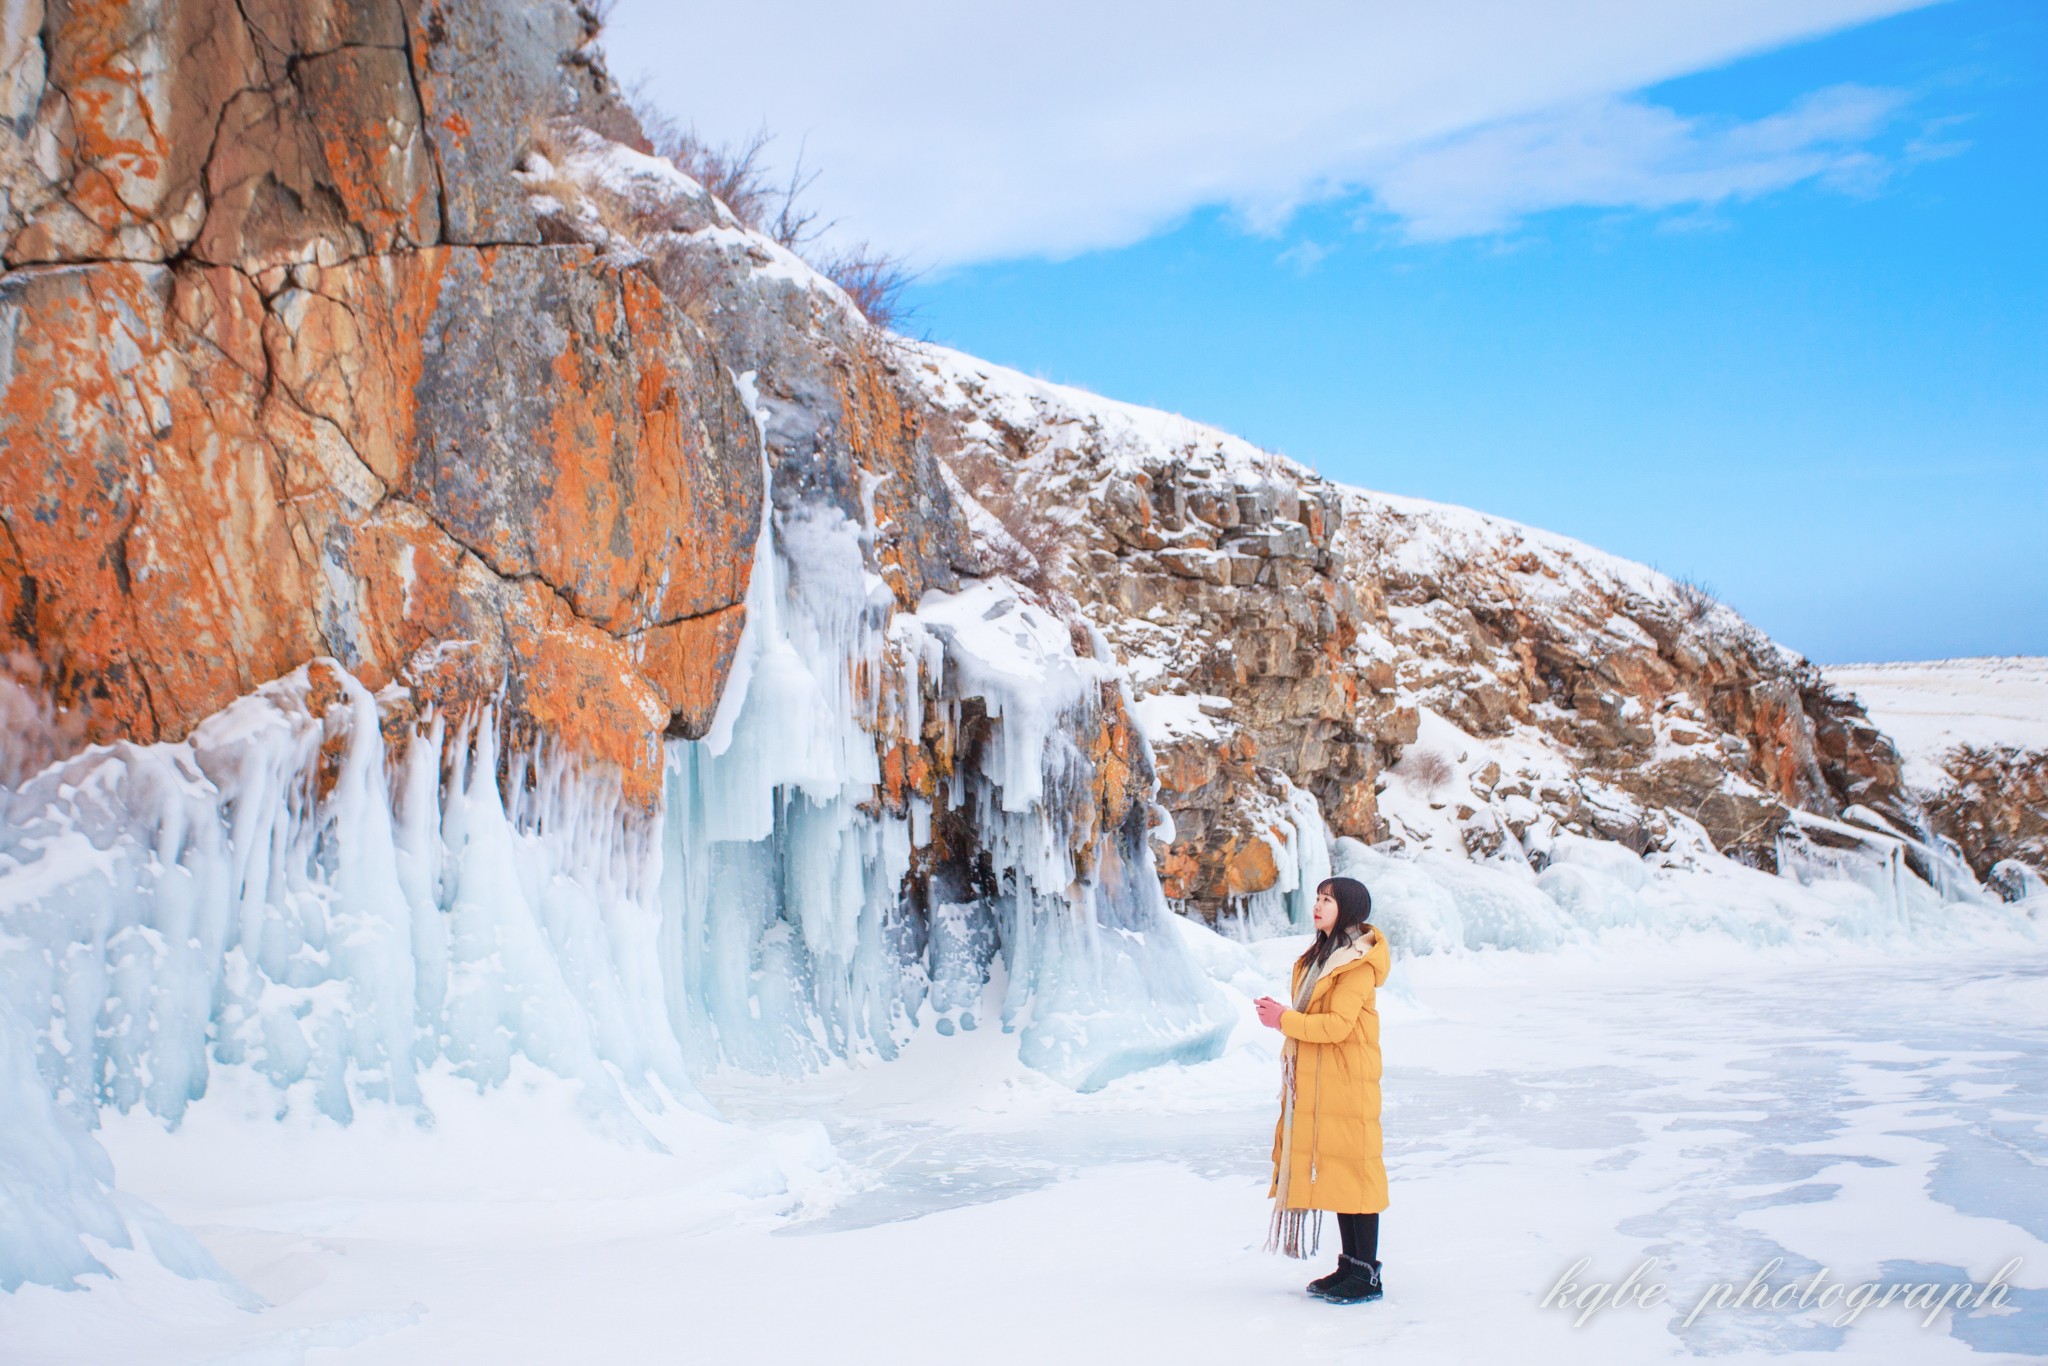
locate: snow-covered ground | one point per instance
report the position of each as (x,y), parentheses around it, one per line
(1930,707)
(1879,1113)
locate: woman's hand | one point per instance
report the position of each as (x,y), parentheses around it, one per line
(1270,1011)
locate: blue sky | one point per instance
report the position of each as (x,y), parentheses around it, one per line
(1779,323)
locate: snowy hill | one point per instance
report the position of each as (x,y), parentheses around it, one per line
(1406,674)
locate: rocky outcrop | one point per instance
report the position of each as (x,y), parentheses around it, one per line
(1211,578)
(1995,807)
(334,332)
(291,373)
(1428,675)
(1974,733)
(1664,703)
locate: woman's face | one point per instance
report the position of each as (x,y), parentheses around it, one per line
(1326,912)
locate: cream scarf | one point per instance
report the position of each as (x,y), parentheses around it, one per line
(1298,1232)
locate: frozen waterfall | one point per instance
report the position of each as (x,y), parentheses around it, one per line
(290,893)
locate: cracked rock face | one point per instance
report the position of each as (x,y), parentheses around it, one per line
(1427,674)
(285,371)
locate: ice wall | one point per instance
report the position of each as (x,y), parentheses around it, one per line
(1433,902)
(282,893)
(789,933)
(291,893)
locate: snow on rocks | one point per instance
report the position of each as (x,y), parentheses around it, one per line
(1974,736)
(1363,642)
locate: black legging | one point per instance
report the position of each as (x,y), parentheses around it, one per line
(1361,1235)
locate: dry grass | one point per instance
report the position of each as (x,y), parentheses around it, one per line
(737,174)
(1036,547)
(1429,767)
(1695,599)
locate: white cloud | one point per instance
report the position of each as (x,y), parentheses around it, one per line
(1304,256)
(973,131)
(1626,154)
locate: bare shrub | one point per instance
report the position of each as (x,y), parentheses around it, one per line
(1034,547)
(1429,767)
(1695,599)
(874,280)
(737,174)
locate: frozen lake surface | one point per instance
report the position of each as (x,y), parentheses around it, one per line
(1881,1116)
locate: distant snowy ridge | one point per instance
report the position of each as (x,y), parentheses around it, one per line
(1974,734)
(1931,706)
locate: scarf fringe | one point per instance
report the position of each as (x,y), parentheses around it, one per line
(1294,1232)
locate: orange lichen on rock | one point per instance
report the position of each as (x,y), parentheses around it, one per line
(188,457)
(350,350)
(67,490)
(1180,872)
(1248,867)
(375,153)
(1114,751)
(445,368)
(578,686)
(410,590)
(687,662)
(321,432)
(887,438)
(138,93)
(139,497)
(1185,767)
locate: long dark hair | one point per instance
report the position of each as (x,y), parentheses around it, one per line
(1354,910)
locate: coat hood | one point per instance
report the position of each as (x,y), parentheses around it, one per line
(1368,948)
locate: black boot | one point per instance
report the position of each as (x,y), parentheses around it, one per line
(1356,1281)
(1322,1283)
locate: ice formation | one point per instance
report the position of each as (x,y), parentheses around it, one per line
(785,937)
(1302,851)
(292,892)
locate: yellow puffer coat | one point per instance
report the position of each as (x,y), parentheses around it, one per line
(1337,1164)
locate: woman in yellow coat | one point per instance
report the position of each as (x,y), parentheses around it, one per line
(1326,1147)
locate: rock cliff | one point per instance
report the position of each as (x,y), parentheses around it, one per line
(1974,735)
(291,372)
(1428,675)
(337,330)
(466,602)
